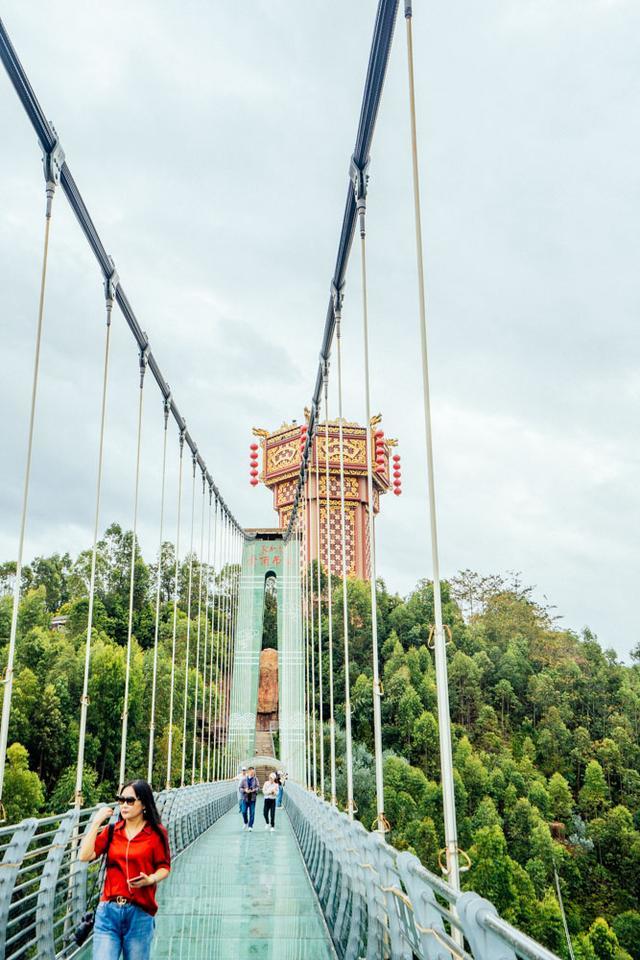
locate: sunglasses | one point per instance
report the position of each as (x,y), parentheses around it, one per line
(129,800)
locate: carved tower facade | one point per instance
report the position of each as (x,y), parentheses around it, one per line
(281,459)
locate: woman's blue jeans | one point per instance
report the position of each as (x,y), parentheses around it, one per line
(126,931)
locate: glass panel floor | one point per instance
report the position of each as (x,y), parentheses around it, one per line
(240,894)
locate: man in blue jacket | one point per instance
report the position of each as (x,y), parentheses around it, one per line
(249,787)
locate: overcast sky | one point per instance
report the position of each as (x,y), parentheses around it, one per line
(211,143)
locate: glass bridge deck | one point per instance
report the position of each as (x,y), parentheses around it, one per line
(235,894)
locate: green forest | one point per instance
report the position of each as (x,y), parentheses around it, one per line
(546,726)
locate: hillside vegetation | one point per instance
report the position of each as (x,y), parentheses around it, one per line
(546,728)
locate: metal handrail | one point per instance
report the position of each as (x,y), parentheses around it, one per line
(43,887)
(380,902)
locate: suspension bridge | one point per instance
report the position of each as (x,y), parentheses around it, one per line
(339,890)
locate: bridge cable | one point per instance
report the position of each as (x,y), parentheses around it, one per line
(442,687)
(109,291)
(232,620)
(319,598)
(176,587)
(227,645)
(305,614)
(211,674)
(206,637)
(235,584)
(360,189)
(132,577)
(225,654)
(337,300)
(312,645)
(187,651)
(221,641)
(194,745)
(51,179)
(156,629)
(332,722)
(236,615)
(216,716)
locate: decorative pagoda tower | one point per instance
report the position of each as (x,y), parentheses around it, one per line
(281,459)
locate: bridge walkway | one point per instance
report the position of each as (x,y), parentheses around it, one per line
(240,894)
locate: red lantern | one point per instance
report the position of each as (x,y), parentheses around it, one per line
(254,482)
(397,484)
(253,473)
(253,446)
(397,491)
(396,457)
(379,434)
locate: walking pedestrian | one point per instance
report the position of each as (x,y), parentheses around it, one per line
(138,860)
(270,791)
(249,786)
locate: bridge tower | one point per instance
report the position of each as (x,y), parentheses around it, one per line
(281,459)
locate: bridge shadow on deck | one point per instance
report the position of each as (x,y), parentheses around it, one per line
(235,894)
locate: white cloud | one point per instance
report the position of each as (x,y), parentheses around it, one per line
(211,144)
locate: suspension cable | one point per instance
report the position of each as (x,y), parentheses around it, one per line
(312,645)
(51,178)
(84,699)
(305,611)
(442,683)
(343,536)
(234,634)
(232,622)
(332,723)
(213,644)
(132,576)
(196,694)
(220,642)
(187,651)
(319,598)
(176,588)
(156,634)
(360,187)
(225,655)
(227,645)
(205,662)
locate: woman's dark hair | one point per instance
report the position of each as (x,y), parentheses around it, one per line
(144,793)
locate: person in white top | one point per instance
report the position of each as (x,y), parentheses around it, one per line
(270,791)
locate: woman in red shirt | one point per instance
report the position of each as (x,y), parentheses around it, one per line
(138,858)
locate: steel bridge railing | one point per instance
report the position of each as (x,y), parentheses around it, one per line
(379,903)
(45,890)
